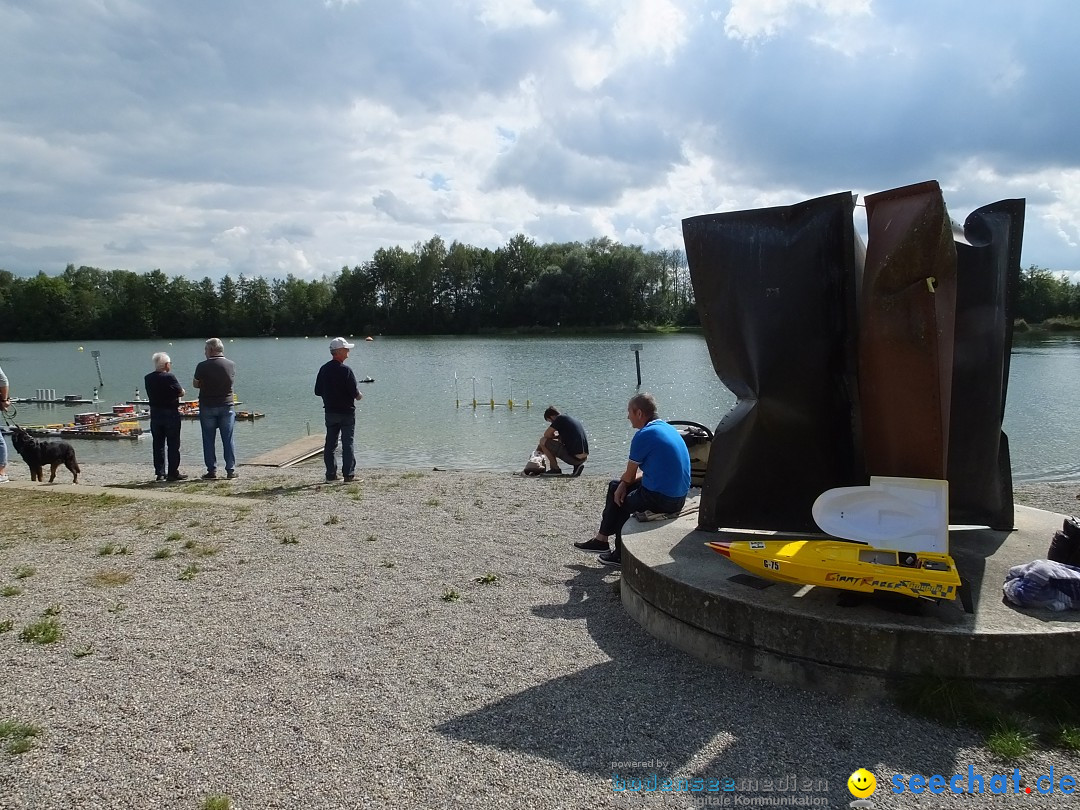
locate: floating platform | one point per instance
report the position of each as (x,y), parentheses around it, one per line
(857,644)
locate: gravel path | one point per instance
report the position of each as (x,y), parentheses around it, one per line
(338,648)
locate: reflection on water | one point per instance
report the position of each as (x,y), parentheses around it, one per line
(408,417)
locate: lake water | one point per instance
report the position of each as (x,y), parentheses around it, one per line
(409,417)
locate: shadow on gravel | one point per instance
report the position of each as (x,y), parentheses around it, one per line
(657,708)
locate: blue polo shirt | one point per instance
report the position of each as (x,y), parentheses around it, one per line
(661,453)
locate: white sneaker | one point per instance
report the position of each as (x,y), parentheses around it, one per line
(3,478)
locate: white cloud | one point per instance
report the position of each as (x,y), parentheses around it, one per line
(756,19)
(513,14)
(209,138)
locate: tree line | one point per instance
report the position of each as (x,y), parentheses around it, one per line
(431,289)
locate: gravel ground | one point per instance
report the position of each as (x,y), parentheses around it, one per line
(318,658)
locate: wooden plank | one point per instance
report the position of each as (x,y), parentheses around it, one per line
(291,453)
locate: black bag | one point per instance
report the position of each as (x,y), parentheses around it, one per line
(1065,544)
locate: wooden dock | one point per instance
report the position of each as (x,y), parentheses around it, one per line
(292,453)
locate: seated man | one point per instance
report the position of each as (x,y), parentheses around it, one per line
(564,440)
(656,479)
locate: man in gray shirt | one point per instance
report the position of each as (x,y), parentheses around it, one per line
(214,378)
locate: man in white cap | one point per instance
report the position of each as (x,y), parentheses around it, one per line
(336,384)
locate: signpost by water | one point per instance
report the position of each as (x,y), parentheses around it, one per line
(636,349)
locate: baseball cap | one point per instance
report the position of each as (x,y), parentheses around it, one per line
(340,343)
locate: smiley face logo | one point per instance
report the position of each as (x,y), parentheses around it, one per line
(862,784)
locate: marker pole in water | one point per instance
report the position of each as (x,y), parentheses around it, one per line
(492,381)
(97,363)
(510,404)
(457,401)
(636,347)
(474,392)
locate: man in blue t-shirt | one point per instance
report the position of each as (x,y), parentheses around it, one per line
(564,440)
(656,479)
(336,384)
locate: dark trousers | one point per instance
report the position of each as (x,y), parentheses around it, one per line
(638,499)
(165,429)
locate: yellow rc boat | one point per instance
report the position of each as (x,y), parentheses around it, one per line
(901,542)
(846,565)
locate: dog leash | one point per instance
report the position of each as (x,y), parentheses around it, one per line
(9,416)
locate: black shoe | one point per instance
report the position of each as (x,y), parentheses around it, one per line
(349,478)
(160,478)
(554,471)
(333,477)
(610,559)
(232,474)
(577,470)
(176,477)
(593,544)
(210,476)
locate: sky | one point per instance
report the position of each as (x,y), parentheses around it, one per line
(276,137)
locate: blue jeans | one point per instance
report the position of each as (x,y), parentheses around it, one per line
(165,428)
(3,451)
(219,417)
(343,425)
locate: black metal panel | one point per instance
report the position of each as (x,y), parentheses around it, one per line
(776,292)
(988,278)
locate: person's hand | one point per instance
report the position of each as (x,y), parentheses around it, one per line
(620,493)
(359,395)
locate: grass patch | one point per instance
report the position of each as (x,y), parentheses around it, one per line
(488,579)
(110,579)
(162,554)
(217,803)
(107,550)
(951,702)
(371,538)
(1009,741)
(83,651)
(411,475)
(189,573)
(174,537)
(432,501)
(388,564)
(1069,738)
(201,549)
(1013,726)
(17,736)
(43,631)
(10,590)
(333,520)
(53,610)
(290,540)
(7,625)
(119,607)
(450,595)
(24,571)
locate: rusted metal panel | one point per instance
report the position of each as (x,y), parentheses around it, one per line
(906,321)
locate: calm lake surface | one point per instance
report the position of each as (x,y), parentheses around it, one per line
(408,417)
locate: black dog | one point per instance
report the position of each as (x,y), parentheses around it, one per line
(37,454)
